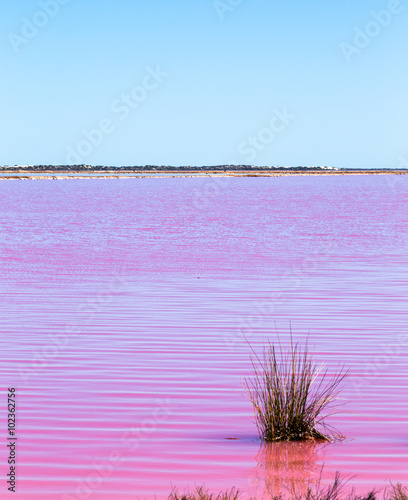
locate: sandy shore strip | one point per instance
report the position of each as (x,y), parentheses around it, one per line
(9,174)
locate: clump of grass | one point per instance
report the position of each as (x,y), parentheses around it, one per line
(202,493)
(319,492)
(398,492)
(291,394)
(334,491)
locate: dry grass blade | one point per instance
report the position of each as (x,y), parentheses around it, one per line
(202,493)
(334,491)
(398,492)
(291,395)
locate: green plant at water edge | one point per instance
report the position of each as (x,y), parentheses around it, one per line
(335,491)
(292,395)
(202,493)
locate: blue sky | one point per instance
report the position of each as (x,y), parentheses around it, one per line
(204,82)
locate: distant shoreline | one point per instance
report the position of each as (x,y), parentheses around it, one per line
(50,172)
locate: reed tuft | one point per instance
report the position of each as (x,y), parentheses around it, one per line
(292,395)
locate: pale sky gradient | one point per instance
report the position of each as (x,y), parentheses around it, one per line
(204,82)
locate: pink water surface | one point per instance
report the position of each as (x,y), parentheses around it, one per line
(122,312)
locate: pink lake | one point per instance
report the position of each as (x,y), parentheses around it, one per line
(122,311)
